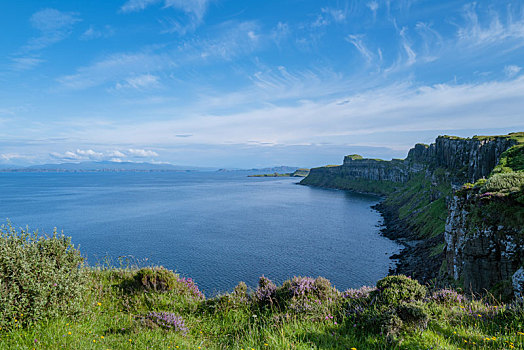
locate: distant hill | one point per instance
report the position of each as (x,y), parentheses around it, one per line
(278,169)
(108,166)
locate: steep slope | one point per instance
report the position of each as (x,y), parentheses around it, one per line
(426,207)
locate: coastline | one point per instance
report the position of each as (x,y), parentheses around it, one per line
(415,258)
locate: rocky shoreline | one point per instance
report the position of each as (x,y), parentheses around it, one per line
(416,258)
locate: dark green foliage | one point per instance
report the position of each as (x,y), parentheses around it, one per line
(511,160)
(504,182)
(158,279)
(354,156)
(393,290)
(40,277)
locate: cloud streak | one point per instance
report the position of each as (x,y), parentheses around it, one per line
(53,26)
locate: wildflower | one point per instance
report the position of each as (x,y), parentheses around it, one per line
(69,333)
(99,304)
(94,340)
(169,320)
(101,337)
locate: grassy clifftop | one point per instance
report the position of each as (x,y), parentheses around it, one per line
(154,308)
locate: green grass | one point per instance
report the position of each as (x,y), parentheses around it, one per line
(111,319)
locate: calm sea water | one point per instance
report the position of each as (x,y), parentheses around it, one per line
(218,228)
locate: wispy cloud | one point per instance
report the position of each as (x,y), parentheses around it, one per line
(25,63)
(53,26)
(8,157)
(394,108)
(512,70)
(357,41)
(89,154)
(115,68)
(231,40)
(140,82)
(411,55)
(194,9)
(329,15)
(95,33)
(373,6)
(137,5)
(493,30)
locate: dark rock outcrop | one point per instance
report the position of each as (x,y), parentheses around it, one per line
(478,256)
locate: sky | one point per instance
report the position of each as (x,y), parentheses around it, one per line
(235,83)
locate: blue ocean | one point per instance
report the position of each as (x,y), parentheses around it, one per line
(217,227)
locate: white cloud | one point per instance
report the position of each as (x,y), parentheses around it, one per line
(94,33)
(230,40)
(53,25)
(512,70)
(280,32)
(117,154)
(25,63)
(194,9)
(137,5)
(373,6)
(141,153)
(140,82)
(78,155)
(336,15)
(393,109)
(12,156)
(492,31)
(357,41)
(411,55)
(115,68)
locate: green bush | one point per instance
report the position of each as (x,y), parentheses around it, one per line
(40,277)
(156,278)
(393,290)
(504,182)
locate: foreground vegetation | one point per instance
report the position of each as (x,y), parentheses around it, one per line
(49,300)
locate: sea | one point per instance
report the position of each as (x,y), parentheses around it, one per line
(218,228)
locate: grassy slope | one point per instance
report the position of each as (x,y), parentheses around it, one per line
(110,320)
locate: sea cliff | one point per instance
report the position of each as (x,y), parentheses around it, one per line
(457,204)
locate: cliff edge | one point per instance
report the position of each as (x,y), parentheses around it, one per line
(456,204)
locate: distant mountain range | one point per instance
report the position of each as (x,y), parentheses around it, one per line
(278,169)
(127,166)
(103,166)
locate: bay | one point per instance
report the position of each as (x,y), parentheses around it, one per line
(218,228)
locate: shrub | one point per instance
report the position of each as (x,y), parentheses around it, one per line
(393,290)
(190,287)
(361,293)
(240,293)
(448,296)
(156,278)
(40,277)
(413,315)
(265,294)
(504,182)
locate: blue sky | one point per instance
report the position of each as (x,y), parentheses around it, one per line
(230,83)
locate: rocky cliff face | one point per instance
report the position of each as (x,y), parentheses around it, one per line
(480,254)
(376,170)
(466,160)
